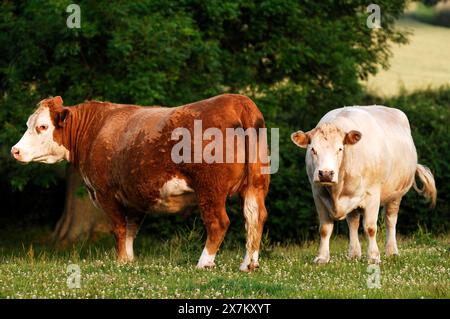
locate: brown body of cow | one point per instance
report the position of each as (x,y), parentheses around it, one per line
(123,153)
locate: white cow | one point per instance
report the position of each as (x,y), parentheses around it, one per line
(358,159)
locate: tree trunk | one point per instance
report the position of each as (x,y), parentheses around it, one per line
(80,220)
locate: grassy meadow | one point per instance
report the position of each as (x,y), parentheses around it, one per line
(421,64)
(166,269)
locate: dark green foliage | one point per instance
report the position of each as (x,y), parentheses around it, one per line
(296,59)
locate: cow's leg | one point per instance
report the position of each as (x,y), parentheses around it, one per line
(255,214)
(391,221)
(216,222)
(133,222)
(354,247)
(325,230)
(117,215)
(120,234)
(370,227)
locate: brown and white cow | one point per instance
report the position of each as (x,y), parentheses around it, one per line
(123,153)
(358,159)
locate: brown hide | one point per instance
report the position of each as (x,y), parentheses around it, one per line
(123,153)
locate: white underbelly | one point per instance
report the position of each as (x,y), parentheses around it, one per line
(175,197)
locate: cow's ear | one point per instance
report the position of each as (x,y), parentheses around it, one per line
(61,117)
(300,139)
(57,101)
(352,137)
(53,103)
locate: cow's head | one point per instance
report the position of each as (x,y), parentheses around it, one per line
(40,143)
(326,145)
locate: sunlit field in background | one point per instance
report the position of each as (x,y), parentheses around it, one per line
(421,64)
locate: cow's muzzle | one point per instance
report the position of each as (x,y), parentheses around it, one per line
(15,153)
(326,177)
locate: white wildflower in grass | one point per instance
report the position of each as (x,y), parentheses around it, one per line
(286,272)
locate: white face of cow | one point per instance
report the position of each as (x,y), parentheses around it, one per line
(38,144)
(326,145)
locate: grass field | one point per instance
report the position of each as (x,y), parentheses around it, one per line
(423,63)
(167,270)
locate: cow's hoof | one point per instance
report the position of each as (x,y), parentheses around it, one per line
(206,266)
(392,255)
(244,267)
(354,252)
(354,256)
(249,267)
(321,260)
(374,260)
(391,251)
(124,260)
(253,266)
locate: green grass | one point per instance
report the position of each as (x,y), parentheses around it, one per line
(166,269)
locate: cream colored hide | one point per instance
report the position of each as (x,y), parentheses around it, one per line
(358,159)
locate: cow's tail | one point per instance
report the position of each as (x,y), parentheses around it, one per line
(429,187)
(256,184)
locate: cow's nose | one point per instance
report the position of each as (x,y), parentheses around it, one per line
(326,176)
(15,152)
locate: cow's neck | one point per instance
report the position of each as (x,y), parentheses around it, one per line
(334,195)
(82,125)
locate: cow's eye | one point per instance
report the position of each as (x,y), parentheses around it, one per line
(313,151)
(41,128)
(340,149)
